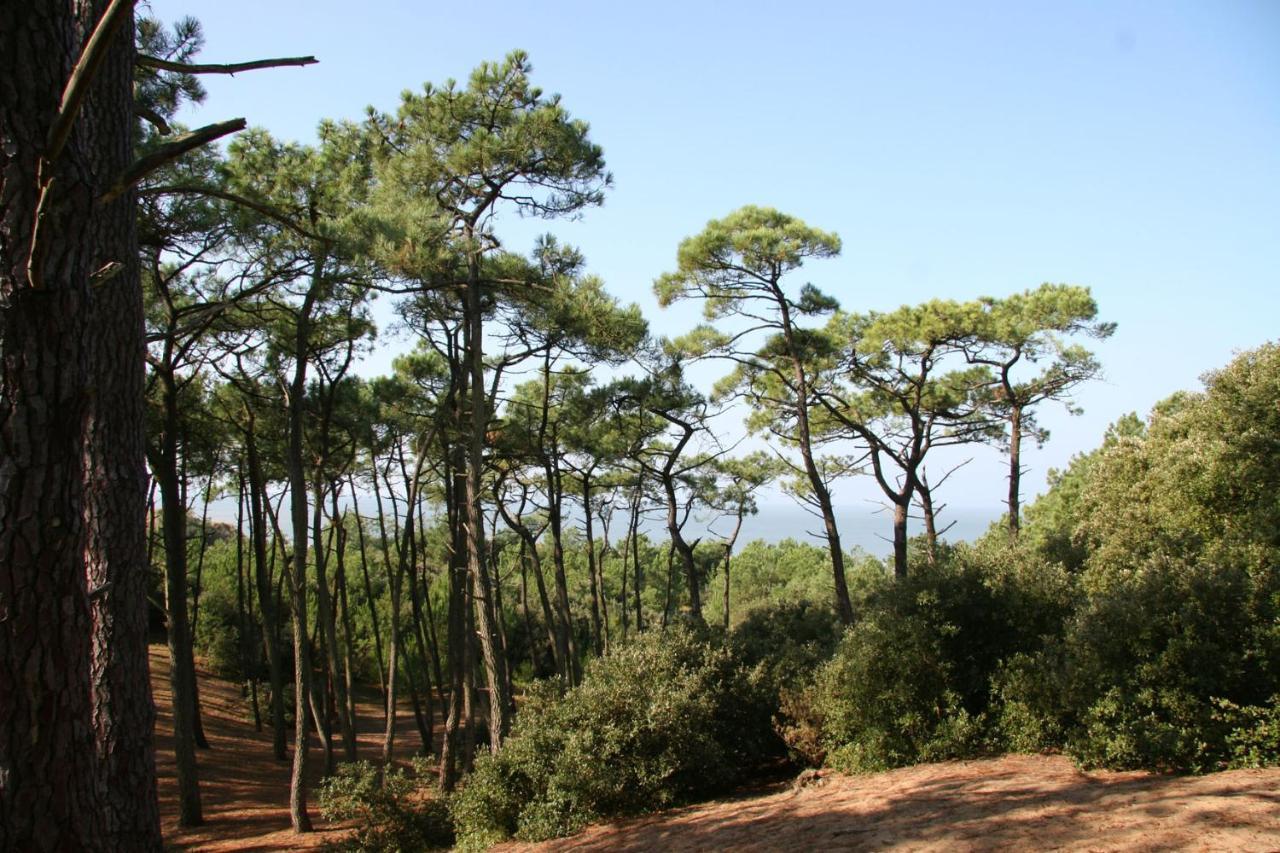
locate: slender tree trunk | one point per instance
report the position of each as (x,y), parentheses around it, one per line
(348,632)
(456,621)
(1015,468)
(728,560)
(243,645)
(182,675)
(266,599)
(635,552)
(900,538)
(368,592)
(925,497)
(298,582)
(844,606)
(666,603)
(604,595)
(197,721)
(327,618)
(568,641)
(476,562)
(524,609)
(557,639)
(597,643)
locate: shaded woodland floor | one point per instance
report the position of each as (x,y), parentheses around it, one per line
(1017,802)
(244,790)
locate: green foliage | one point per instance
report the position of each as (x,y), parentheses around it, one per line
(1136,677)
(1254,737)
(662,720)
(783,645)
(392,812)
(910,681)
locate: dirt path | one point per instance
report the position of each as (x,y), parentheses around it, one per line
(1012,803)
(244,791)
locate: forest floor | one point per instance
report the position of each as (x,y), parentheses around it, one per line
(244,790)
(1017,802)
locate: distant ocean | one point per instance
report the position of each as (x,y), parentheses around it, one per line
(863,527)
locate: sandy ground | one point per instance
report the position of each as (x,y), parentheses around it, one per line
(1017,802)
(1011,803)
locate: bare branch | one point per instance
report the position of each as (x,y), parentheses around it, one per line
(78,84)
(231,68)
(168,152)
(154,118)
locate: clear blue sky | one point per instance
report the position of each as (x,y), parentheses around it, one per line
(958,149)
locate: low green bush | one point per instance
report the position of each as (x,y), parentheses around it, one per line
(1254,736)
(661,720)
(392,811)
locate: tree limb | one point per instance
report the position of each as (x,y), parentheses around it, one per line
(154,118)
(78,84)
(168,152)
(266,210)
(230,68)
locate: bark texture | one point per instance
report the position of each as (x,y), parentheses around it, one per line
(76,757)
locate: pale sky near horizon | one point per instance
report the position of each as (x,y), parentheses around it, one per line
(959,149)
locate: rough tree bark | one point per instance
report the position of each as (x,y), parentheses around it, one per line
(75,704)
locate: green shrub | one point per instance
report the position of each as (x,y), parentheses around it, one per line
(392,811)
(1254,736)
(662,720)
(1138,677)
(784,644)
(911,680)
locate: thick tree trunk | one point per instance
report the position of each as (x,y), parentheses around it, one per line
(116,480)
(51,794)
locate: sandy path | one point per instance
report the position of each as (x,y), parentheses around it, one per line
(1011,803)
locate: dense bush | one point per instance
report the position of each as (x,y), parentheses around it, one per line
(911,680)
(1174,526)
(391,812)
(661,720)
(1137,678)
